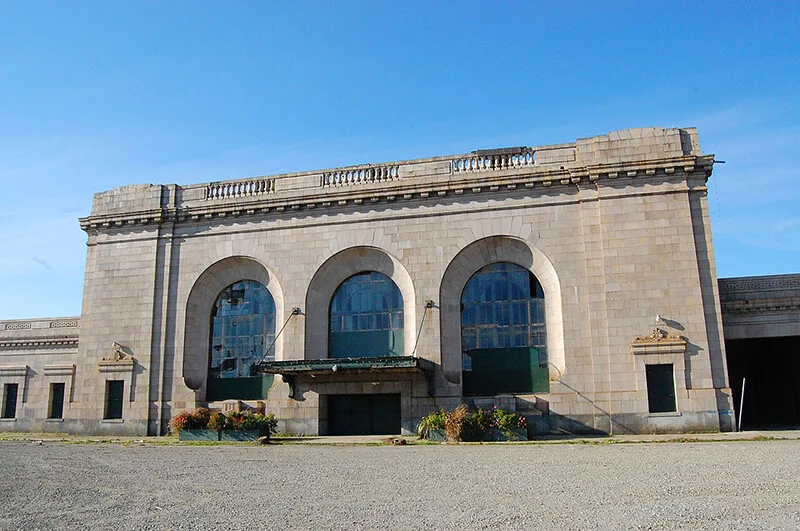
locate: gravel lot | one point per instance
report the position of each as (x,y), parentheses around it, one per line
(735,485)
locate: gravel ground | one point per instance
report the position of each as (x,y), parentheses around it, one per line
(735,485)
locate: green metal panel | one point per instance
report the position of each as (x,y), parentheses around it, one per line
(56,400)
(660,388)
(10,401)
(245,388)
(504,370)
(114,394)
(388,363)
(377,414)
(366,344)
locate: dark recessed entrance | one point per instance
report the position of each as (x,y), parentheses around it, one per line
(364,414)
(771,367)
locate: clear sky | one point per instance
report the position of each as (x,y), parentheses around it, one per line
(95,95)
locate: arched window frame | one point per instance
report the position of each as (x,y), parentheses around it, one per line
(503,306)
(227,319)
(368,302)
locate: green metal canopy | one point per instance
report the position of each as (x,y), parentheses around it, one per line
(291,369)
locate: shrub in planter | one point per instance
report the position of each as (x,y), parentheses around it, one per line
(430,423)
(199,419)
(507,421)
(217,421)
(266,424)
(180,421)
(465,424)
(476,425)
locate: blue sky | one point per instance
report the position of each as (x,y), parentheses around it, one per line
(95,95)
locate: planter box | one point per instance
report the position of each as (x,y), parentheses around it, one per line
(224,435)
(436,435)
(243,435)
(519,434)
(198,435)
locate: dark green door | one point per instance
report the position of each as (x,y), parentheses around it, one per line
(364,414)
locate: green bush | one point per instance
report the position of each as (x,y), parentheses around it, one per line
(470,424)
(506,421)
(430,422)
(199,418)
(218,421)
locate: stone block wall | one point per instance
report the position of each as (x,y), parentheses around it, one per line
(34,354)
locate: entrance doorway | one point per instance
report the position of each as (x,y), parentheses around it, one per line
(771,370)
(364,414)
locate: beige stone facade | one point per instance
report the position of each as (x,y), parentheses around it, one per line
(614,227)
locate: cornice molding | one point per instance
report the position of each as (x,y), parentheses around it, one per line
(327,196)
(38,343)
(782,305)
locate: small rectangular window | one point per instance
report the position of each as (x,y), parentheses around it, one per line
(10,400)
(660,388)
(56,401)
(114,392)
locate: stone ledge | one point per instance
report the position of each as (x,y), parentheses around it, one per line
(14,370)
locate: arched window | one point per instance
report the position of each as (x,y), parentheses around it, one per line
(503,331)
(242,330)
(366,318)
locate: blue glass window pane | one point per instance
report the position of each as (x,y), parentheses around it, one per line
(366,301)
(242,328)
(502,305)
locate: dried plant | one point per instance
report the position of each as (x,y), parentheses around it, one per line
(454,422)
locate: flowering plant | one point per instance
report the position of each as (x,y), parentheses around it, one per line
(218,421)
(180,421)
(506,421)
(202,418)
(186,420)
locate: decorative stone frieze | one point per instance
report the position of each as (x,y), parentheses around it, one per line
(742,285)
(118,361)
(658,342)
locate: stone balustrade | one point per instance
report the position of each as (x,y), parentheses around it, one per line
(652,149)
(40,324)
(245,188)
(362,175)
(477,162)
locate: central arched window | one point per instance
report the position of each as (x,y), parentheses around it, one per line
(242,332)
(366,318)
(503,331)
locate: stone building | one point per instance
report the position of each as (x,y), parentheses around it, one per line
(574,283)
